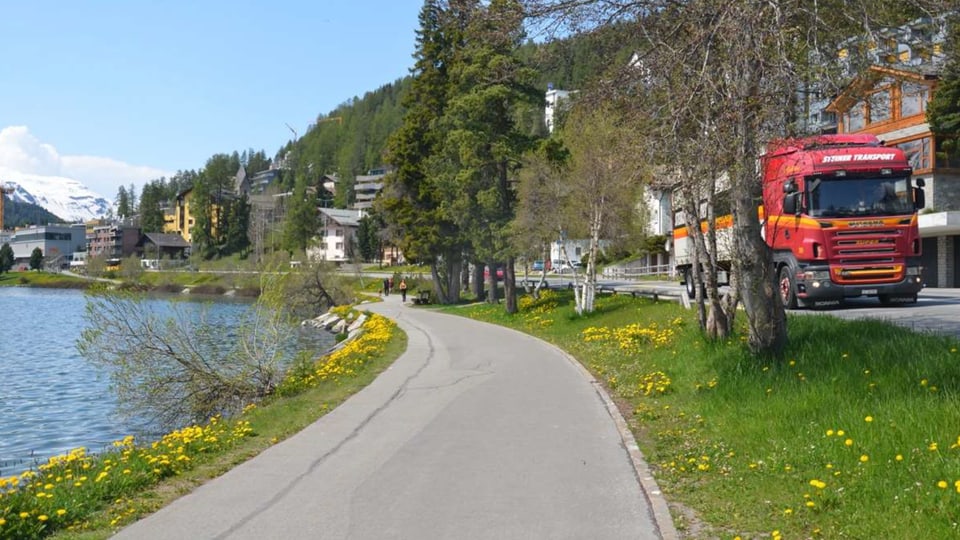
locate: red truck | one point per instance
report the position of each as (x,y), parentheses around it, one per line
(840,213)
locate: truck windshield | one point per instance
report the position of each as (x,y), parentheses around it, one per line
(840,197)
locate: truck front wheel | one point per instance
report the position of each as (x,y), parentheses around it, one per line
(788,287)
(688,281)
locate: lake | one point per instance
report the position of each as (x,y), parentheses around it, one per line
(53,400)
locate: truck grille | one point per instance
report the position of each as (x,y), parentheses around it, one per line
(866,257)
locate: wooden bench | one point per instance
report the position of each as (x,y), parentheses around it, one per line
(422,298)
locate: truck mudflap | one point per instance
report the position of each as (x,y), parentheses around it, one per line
(811,293)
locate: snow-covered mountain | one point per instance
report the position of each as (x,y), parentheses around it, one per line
(64,197)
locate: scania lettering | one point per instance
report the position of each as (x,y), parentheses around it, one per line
(840,213)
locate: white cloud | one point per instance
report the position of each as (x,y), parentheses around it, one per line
(22,152)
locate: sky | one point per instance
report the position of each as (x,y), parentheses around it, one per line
(114,92)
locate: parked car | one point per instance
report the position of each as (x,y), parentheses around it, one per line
(486,273)
(563,267)
(537,266)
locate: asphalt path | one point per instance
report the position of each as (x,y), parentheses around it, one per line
(476,431)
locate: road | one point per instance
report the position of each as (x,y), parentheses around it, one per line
(936,310)
(476,431)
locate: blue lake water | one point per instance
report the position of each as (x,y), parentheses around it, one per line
(52,399)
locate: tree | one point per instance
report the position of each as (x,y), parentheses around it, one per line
(302,220)
(151,199)
(237,236)
(36,259)
(477,161)
(369,243)
(542,194)
(943,111)
(204,216)
(411,204)
(123,202)
(6,258)
(604,181)
(177,368)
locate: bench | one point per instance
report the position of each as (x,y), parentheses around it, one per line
(422,298)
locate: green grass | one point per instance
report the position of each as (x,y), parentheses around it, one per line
(41,279)
(738,440)
(96,510)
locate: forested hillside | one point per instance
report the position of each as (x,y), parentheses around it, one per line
(17,214)
(351,139)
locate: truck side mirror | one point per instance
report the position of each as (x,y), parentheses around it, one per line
(790,205)
(919,198)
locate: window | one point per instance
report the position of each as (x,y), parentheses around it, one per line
(854,120)
(880,109)
(917,152)
(339,233)
(913,98)
(340,246)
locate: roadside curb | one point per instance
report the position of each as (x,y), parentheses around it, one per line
(659,510)
(658,504)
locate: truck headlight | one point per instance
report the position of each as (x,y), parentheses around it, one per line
(914,270)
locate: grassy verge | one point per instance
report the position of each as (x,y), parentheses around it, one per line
(79,496)
(854,434)
(42,279)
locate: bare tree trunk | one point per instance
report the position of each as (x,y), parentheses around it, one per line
(510,286)
(477,280)
(493,296)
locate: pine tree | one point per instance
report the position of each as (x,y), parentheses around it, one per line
(36,259)
(943,111)
(302,220)
(415,214)
(123,202)
(6,258)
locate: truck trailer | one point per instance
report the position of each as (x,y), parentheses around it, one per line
(840,215)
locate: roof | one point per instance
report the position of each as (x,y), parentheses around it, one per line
(350,218)
(167,240)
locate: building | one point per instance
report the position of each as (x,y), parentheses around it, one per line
(56,242)
(159,246)
(114,241)
(367,187)
(182,217)
(555,100)
(338,233)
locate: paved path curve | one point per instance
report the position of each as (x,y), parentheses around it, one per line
(475,432)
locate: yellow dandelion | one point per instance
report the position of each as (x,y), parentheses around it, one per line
(819,484)
(43,517)
(61,512)
(932,447)
(864,458)
(787,511)
(942,484)
(899,457)
(868,419)
(829,433)
(848,442)
(810,504)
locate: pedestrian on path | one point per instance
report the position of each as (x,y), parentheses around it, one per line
(386,287)
(403,290)
(389,284)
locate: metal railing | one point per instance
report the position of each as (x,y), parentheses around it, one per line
(664,271)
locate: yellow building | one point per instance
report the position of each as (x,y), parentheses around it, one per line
(182,220)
